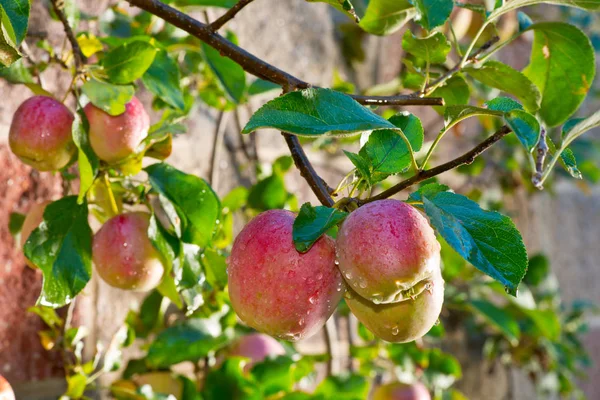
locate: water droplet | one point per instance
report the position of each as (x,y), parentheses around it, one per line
(301,322)
(336,262)
(362,283)
(348,275)
(311,300)
(319,276)
(348,295)
(395,330)
(125,244)
(437,322)
(377,298)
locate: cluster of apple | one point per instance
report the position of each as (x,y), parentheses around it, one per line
(41,136)
(385,260)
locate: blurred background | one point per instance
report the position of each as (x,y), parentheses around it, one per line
(547,352)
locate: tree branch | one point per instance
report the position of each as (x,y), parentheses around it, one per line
(466,158)
(229,15)
(318,185)
(252,64)
(78,56)
(220,128)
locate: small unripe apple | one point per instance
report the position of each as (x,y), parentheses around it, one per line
(34,218)
(257,347)
(114,138)
(402,391)
(6,392)
(124,255)
(274,288)
(406,320)
(40,134)
(384,248)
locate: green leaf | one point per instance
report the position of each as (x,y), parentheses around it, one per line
(525,126)
(313,112)
(507,79)
(384,17)
(589,5)
(455,91)
(344,6)
(87,160)
(231,382)
(236,199)
(442,369)
(148,318)
(195,202)
(215,266)
(163,80)
(109,98)
(14,19)
(17,73)
(387,150)
(503,104)
(260,86)
(432,49)
(62,248)
(547,322)
(275,375)
(189,340)
(433,13)
(488,240)
(312,223)
(563,83)
(455,114)
(429,191)
(15,223)
(361,165)
(8,52)
(575,128)
(76,386)
(268,194)
(129,61)
(498,318)
(349,387)
(570,163)
(230,75)
(539,267)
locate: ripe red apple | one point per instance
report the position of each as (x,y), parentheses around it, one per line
(123,254)
(386,247)
(114,138)
(406,320)
(40,133)
(6,392)
(34,218)
(274,288)
(402,391)
(257,347)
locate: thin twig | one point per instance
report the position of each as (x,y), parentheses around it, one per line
(238,127)
(229,15)
(466,158)
(78,55)
(542,152)
(220,128)
(330,333)
(401,100)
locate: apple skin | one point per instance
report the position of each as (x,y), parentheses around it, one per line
(124,255)
(274,288)
(114,138)
(384,248)
(257,347)
(403,321)
(402,391)
(34,218)
(6,392)
(40,134)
